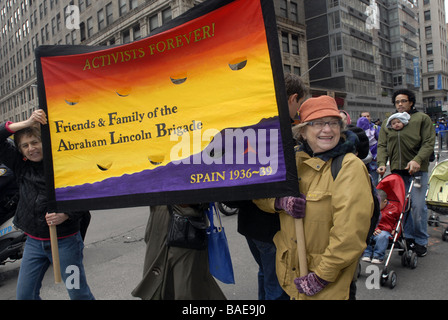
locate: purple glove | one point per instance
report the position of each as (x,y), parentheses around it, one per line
(310,284)
(293,206)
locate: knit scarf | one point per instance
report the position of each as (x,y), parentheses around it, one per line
(347,143)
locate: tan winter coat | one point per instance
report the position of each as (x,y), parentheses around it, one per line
(336,224)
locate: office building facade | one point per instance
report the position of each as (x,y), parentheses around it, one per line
(27,24)
(363,50)
(434,57)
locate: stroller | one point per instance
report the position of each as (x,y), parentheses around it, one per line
(395,189)
(437,195)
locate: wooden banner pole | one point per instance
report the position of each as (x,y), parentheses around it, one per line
(301,249)
(55,254)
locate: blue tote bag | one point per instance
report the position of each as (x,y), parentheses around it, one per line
(219,260)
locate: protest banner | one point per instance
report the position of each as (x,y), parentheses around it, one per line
(195,112)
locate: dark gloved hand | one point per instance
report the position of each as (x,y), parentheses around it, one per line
(310,284)
(293,206)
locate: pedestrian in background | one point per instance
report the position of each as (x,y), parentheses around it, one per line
(171,272)
(408,151)
(346,120)
(372,132)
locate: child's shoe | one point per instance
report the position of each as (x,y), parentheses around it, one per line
(366,259)
(377,261)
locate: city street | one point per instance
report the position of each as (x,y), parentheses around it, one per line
(114,253)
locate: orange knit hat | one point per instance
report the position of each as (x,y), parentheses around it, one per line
(318,107)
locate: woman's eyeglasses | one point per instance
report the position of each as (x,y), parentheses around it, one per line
(319,124)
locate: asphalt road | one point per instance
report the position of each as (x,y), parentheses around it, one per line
(114,253)
(113,259)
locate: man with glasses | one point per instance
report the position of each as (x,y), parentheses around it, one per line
(408,152)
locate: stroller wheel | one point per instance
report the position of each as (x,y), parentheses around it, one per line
(392,280)
(445,234)
(413,261)
(437,222)
(404,260)
(388,278)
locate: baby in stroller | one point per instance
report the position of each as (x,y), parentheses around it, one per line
(390,215)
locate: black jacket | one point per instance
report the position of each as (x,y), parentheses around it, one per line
(254,222)
(32,206)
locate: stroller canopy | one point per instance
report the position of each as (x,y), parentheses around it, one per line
(440,171)
(395,189)
(438,186)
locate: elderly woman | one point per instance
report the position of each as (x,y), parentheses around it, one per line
(337,213)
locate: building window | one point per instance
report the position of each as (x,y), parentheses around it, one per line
(122,8)
(285,42)
(58,21)
(398,81)
(336,42)
(133,4)
(429,48)
(431,83)
(82,29)
(137,33)
(101,21)
(335,20)
(295,44)
(109,14)
(153,22)
(396,63)
(430,65)
(333,3)
(53,26)
(427,15)
(42,35)
(166,15)
(283,9)
(428,32)
(47,32)
(89,27)
(294,16)
(126,36)
(337,64)
(73,34)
